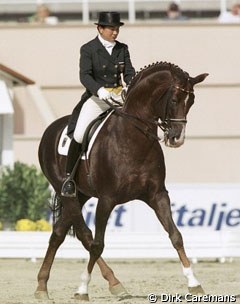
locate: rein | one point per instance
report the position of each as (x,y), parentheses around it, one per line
(148,132)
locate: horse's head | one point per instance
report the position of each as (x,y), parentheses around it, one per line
(180,98)
(163,92)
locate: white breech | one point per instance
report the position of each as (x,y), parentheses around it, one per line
(92,108)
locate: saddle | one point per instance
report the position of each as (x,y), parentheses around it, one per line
(92,128)
(89,135)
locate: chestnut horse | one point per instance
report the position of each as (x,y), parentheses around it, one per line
(126,162)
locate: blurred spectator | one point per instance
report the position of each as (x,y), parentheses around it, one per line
(42,16)
(174,12)
(232,16)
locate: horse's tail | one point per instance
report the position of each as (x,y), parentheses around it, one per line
(56,208)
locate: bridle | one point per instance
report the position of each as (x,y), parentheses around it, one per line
(164,125)
(183,90)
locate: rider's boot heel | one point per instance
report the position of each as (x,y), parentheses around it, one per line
(69,185)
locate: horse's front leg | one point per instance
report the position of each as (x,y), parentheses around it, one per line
(161,205)
(58,235)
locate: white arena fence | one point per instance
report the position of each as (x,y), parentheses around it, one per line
(85,7)
(208,216)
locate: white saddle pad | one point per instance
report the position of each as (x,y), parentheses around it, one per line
(65,140)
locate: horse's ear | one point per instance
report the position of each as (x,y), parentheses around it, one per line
(199,78)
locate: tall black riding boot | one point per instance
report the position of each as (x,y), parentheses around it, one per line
(69,186)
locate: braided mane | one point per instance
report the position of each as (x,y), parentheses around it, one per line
(155,67)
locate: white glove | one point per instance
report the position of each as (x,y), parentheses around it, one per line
(103,93)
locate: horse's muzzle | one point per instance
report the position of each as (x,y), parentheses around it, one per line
(175,136)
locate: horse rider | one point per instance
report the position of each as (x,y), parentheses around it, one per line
(104,63)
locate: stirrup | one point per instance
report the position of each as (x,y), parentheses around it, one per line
(69,188)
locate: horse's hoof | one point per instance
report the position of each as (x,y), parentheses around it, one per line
(119,291)
(41,295)
(197,290)
(81,297)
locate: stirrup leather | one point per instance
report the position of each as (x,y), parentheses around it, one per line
(69,188)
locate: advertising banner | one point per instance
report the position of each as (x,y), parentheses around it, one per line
(207,215)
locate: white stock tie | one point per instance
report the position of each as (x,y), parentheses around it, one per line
(109,47)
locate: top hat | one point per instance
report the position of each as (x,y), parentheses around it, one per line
(109,19)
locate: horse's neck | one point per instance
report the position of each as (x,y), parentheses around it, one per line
(138,102)
(139,110)
(147,99)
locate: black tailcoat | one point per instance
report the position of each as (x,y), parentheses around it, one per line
(100,69)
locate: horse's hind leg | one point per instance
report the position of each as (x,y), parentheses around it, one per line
(58,235)
(161,206)
(84,234)
(115,286)
(96,248)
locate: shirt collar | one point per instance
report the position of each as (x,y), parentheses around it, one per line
(105,43)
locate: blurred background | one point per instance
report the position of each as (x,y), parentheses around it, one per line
(39,82)
(132,10)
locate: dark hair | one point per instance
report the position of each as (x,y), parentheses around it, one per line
(173,7)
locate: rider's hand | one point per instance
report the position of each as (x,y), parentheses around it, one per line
(103,93)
